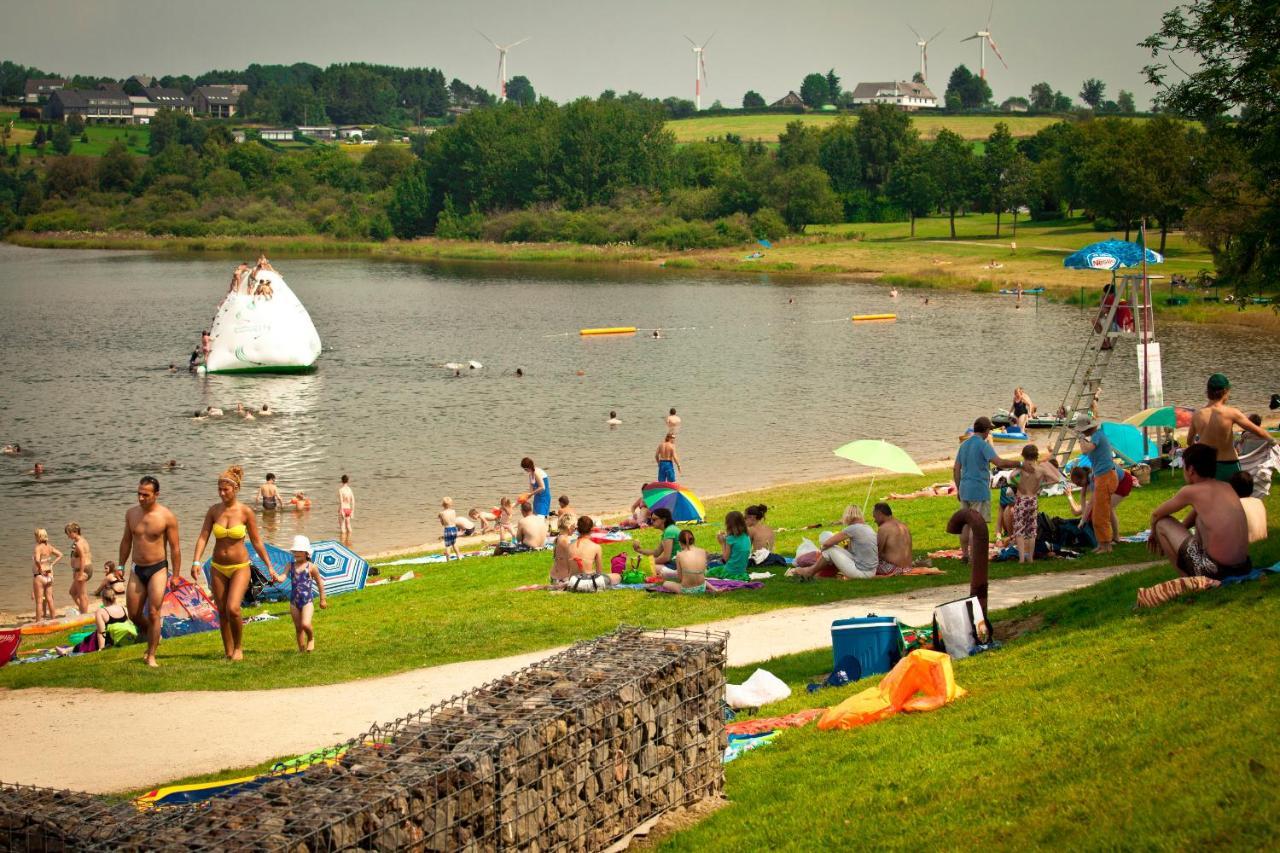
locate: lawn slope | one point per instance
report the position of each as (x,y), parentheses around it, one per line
(1104,729)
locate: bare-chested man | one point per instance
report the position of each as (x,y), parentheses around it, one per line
(149,528)
(667,458)
(1219,547)
(1214,424)
(673,422)
(531,530)
(893,541)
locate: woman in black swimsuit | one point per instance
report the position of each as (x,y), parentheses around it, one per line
(109,614)
(1023,408)
(269,495)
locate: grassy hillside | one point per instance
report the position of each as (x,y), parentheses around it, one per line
(101,136)
(1102,729)
(768,127)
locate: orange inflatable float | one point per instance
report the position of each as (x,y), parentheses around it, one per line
(922,681)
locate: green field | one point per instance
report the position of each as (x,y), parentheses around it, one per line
(101,136)
(767,127)
(471,610)
(1101,729)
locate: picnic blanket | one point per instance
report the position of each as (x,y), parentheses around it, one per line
(738,744)
(766,724)
(725,585)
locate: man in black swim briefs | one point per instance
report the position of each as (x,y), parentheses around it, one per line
(150,530)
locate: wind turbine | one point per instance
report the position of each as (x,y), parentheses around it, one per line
(502,62)
(699,69)
(923,44)
(985,39)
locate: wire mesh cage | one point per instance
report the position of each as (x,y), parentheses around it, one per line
(570,753)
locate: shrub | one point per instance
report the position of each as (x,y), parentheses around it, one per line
(177,227)
(64,219)
(767,223)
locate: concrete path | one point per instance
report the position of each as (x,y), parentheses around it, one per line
(54,737)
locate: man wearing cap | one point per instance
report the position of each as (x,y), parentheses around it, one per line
(1214,425)
(972,475)
(1106,479)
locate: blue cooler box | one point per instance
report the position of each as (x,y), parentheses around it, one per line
(865,646)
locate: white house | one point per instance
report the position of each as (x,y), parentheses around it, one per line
(905,94)
(276,134)
(325,132)
(351,132)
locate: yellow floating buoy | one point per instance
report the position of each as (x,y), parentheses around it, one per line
(859,318)
(612,330)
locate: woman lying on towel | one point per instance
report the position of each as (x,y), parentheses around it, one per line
(934,490)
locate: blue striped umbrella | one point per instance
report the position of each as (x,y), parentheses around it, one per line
(343,570)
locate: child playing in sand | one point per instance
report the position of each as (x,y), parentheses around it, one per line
(487,520)
(449,521)
(305,579)
(1032,477)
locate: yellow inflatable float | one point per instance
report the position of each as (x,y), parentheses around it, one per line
(610,330)
(862,318)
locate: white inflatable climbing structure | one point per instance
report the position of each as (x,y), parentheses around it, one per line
(262,327)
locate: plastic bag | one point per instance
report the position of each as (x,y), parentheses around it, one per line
(762,688)
(803,551)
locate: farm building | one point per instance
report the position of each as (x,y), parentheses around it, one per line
(218,101)
(92,105)
(791,99)
(905,94)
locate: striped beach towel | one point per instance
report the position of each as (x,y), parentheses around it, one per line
(1153,596)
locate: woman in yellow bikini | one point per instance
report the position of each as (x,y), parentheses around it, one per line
(230,522)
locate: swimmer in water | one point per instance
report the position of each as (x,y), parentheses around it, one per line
(170,465)
(213,412)
(37,470)
(11,449)
(173,368)
(613,420)
(657,333)
(519,372)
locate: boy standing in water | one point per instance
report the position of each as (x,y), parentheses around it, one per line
(449,521)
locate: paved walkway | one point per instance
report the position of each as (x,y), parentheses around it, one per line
(54,736)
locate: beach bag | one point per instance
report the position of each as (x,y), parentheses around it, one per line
(803,551)
(865,645)
(618,564)
(586,583)
(960,627)
(762,688)
(765,557)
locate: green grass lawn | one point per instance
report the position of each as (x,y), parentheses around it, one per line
(101,136)
(470,610)
(1105,728)
(768,127)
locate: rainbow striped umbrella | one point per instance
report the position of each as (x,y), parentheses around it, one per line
(684,504)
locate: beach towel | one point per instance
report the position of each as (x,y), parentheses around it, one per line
(1153,596)
(738,744)
(1255,575)
(764,724)
(726,585)
(1261,464)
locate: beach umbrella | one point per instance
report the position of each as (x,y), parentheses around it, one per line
(684,504)
(1110,255)
(280,560)
(878,453)
(1127,443)
(1160,416)
(343,570)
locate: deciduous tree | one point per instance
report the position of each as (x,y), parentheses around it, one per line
(1091,92)
(752,100)
(954,168)
(913,185)
(814,90)
(1041,97)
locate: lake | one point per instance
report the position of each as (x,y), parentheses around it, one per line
(766,386)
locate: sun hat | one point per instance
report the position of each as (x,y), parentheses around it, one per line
(1083,423)
(1219,382)
(301,543)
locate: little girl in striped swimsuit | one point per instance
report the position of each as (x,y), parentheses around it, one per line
(305,580)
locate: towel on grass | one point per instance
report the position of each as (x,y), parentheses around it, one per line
(765,724)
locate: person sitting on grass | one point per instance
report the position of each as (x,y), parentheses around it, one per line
(1255,511)
(762,535)
(857,540)
(110,613)
(587,556)
(691,566)
(668,546)
(1213,540)
(893,542)
(562,558)
(735,549)
(531,530)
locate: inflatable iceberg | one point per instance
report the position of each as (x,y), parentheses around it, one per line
(262,327)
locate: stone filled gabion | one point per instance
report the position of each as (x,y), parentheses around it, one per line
(571,753)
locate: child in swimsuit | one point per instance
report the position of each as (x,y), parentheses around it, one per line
(486,520)
(449,521)
(305,580)
(691,563)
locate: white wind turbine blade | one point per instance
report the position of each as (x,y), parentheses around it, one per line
(996,51)
(708,41)
(913,29)
(522,41)
(990,12)
(971,38)
(489,40)
(691,41)
(935,35)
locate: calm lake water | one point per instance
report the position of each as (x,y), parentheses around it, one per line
(766,388)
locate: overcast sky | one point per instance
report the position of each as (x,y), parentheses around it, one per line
(581,47)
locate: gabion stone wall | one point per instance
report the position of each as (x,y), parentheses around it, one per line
(572,753)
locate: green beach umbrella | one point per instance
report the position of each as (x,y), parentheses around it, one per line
(1160,416)
(878,453)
